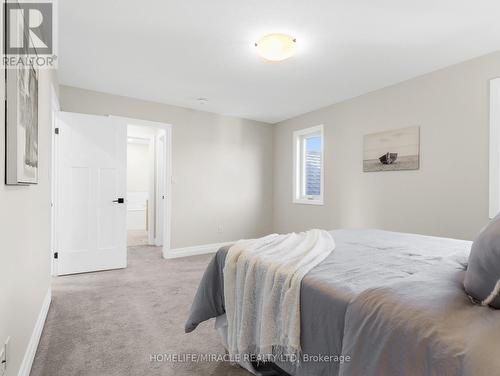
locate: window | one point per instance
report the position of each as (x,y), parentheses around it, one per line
(308,166)
(494,147)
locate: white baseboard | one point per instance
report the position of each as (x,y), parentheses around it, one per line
(195,250)
(29,355)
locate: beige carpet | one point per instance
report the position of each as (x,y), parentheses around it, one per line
(110,323)
(137,237)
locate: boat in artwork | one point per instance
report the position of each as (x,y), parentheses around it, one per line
(388,158)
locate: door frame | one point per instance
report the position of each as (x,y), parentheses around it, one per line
(160,187)
(152,203)
(167,219)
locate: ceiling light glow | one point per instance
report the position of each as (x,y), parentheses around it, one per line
(276,47)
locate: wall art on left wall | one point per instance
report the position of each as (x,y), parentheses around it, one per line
(22,126)
(21,115)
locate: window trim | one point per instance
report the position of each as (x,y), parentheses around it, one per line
(494,199)
(298,173)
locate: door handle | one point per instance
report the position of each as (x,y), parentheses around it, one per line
(119,200)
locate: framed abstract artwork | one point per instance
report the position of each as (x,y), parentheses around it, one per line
(21,118)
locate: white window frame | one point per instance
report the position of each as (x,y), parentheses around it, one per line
(299,171)
(494,204)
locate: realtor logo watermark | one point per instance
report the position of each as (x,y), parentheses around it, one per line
(30,34)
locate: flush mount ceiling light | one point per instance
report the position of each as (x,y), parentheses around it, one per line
(276,47)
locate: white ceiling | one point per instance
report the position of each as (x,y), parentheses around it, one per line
(175,51)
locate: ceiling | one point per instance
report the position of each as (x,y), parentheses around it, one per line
(175,51)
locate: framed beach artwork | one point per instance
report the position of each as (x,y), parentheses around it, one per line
(21,124)
(393,150)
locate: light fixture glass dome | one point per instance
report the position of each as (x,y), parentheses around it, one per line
(276,47)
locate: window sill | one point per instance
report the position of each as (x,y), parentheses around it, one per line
(308,202)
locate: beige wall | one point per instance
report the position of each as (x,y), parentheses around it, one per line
(25,239)
(448,196)
(222,166)
(138,166)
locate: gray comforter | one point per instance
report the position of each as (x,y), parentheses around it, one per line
(393,303)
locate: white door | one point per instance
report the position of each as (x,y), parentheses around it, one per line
(91,203)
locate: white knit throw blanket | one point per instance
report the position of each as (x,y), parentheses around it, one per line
(262,279)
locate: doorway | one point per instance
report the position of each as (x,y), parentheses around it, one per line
(145,185)
(93,192)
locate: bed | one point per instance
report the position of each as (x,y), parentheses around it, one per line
(383,303)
